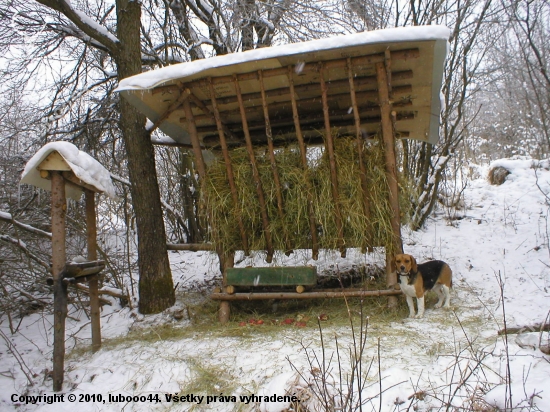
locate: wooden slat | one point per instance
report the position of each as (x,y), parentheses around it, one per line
(228,168)
(329,145)
(273,162)
(255,175)
(371,96)
(360,145)
(303,156)
(308,88)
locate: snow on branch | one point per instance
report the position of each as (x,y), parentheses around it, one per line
(89,26)
(7,217)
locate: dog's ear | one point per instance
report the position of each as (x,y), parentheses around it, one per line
(414,266)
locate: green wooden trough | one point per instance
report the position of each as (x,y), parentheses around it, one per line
(296,276)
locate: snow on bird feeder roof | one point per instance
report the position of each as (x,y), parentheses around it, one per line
(413,55)
(66,157)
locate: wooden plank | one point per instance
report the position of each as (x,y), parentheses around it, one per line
(319,294)
(272,276)
(255,175)
(303,157)
(329,145)
(93,284)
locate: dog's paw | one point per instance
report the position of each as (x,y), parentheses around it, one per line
(419,316)
(412,316)
(438,305)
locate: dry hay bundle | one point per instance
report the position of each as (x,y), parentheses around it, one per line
(363,226)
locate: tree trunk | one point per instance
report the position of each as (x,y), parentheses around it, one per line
(156,288)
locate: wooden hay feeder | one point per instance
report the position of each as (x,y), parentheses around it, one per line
(382,83)
(68,172)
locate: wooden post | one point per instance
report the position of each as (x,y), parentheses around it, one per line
(227,261)
(360,144)
(391,175)
(59,208)
(255,174)
(195,142)
(271,149)
(93,283)
(303,155)
(228,166)
(329,144)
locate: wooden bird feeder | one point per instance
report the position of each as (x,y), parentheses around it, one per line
(67,172)
(382,83)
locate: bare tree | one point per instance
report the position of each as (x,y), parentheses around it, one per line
(105,42)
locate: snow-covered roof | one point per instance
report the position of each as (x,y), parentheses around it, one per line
(417,70)
(84,167)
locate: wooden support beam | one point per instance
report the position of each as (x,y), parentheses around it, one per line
(184,94)
(368,82)
(403,92)
(255,175)
(303,156)
(329,146)
(360,147)
(192,247)
(273,162)
(59,207)
(391,175)
(318,294)
(228,167)
(195,141)
(369,60)
(93,283)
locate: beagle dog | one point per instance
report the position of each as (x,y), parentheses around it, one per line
(415,280)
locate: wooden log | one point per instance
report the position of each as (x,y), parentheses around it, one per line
(255,175)
(273,163)
(303,156)
(59,207)
(329,145)
(191,247)
(369,60)
(537,327)
(391,175)
(93,284)
(320,294)
(228,168)
(360,154)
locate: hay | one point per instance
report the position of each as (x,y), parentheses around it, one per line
(298,185)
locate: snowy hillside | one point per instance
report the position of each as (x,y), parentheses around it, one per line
(497,237)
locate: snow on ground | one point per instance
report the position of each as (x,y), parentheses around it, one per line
(501,233)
